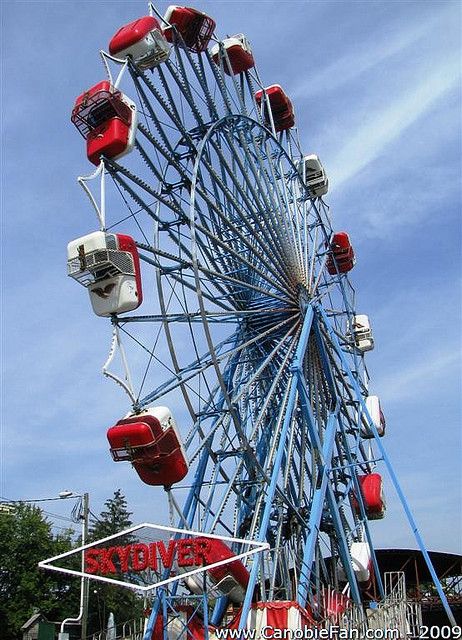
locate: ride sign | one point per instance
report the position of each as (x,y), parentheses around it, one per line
(147,556)
(188,552)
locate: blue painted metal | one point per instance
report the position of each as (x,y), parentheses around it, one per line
(297,364)
(316,510)
(331,499)
(241,179)
(358,492)
(391,471)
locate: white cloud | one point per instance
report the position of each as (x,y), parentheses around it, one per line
(359,59)
(379,128)
(412,380)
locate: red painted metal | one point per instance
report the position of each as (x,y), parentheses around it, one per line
(104,120)
(280,105)
(218,550)
(342,257)
(155,452)
(239,58)
(196,28)
(132,33)
(110,140)
(372,492)
(126,243)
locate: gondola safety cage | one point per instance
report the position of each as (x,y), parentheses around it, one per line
(195,28)
(107,119)
(108,265)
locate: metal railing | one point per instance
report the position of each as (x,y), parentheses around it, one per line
(130,630)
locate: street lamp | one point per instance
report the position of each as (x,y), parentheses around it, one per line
(82,618)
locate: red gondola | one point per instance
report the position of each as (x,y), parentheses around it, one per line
(330,603)
(107,119)
(239,54)
(342,257)
(280,105)
(151,441)
(231,578)
(372,492)
(143,41)
(196,28)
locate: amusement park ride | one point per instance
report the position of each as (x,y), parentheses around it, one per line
(236,338)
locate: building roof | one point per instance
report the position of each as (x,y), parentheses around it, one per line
(412,563)
(34,619)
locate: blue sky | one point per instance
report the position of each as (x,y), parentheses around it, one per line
(376,88)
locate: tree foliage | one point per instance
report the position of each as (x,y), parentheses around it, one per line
(105,598)
(115,518)
(26,538)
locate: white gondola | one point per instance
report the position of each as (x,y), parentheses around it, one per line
(314,175)
(108,265)
(361,561)
(375,411)
(362,333)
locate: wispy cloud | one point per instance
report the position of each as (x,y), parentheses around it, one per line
(380,128)
(359,59)
(412,380)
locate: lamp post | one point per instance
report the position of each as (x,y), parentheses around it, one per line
(82,618)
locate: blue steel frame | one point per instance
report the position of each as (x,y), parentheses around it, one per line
(314,315)
(254,230)
(412,523)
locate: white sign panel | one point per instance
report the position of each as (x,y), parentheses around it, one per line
(147,556)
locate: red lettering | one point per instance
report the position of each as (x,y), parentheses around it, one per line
(185,551)
(92,560)
(153,556)
(106,564)
(166,555)
(140,557)
(201,551)
(124,555)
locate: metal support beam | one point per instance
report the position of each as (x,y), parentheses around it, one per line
(354,383)
(316,510)
(296,365)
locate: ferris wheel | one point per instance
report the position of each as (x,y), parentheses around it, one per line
(235,329)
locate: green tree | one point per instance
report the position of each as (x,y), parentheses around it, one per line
(115,518)
(25,539)
(106,598)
